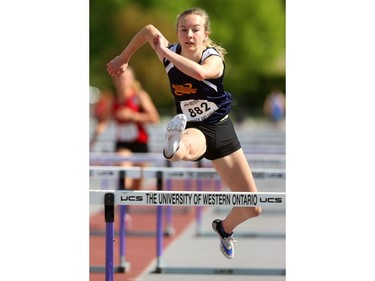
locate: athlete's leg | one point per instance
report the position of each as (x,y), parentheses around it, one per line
(235,171)
(183,144)
(192,146)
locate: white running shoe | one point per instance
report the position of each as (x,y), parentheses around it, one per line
(172,138)
(226,243)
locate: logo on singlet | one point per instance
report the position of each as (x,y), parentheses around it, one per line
(186,89)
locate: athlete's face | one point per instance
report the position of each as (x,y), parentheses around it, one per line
(191,32)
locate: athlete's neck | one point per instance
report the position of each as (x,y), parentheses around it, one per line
(193,55)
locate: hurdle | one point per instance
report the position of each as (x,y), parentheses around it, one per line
(159,198)
(136,198)
(110,158)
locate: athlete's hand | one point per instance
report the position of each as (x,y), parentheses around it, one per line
(160,42)
(116,67)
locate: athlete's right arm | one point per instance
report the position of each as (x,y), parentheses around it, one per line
(147,34)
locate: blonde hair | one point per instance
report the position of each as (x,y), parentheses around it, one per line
(208,42)
(136,85)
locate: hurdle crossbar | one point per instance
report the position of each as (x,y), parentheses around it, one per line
(110,157)
(134,157)
(180,172)
(189,198)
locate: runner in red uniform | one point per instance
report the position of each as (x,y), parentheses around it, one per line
(130,110)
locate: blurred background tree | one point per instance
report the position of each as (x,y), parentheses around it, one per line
(252,31)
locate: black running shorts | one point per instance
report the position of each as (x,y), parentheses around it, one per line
(221,138)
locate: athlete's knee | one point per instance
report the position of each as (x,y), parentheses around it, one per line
(257,211)
(254,212)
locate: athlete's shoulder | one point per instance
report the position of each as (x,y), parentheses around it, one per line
(174,47)
(209,51)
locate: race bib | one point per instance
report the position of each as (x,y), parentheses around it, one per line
(197,110)
(127,132)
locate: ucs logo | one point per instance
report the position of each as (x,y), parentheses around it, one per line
(271,200)
(132,198)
